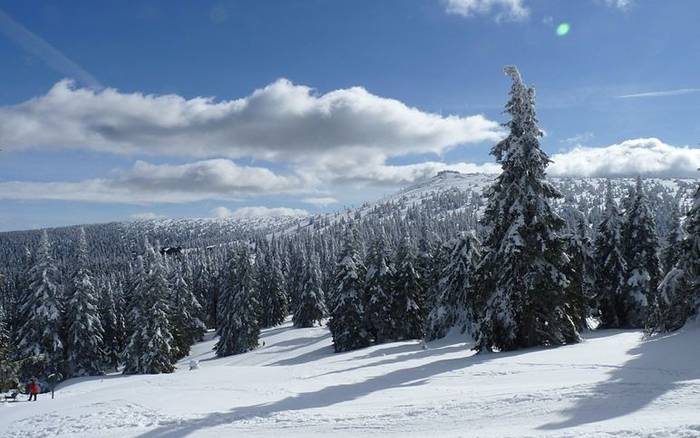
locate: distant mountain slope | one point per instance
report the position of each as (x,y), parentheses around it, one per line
(448,196)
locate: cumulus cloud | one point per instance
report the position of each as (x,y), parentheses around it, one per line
(644,156)
(372,170)
(621,4)
(222,179)
(149,215)
(260,211)
(221,212)
(150,183)
(504,10)
(320,201)
(282,121)
(579,138)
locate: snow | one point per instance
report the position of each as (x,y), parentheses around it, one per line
(615,384)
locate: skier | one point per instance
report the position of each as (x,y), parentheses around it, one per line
(33,389)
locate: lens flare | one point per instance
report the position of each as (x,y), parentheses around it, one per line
(563,29)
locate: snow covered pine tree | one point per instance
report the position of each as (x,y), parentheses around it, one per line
(379,292)
(408,296)
(187,327)
(312,302)
(238,330)
(640,246)
(679,292)
(273,293)
(524,287)
(39,344)
(610,264)
(84,344)
(455,302)
(347,323)
(150,347)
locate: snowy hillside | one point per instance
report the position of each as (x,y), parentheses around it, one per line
(613,384)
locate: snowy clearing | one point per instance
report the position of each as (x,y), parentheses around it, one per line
(614,384)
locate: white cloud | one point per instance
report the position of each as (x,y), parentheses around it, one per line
(621,4)
(504,9)
(282,122)
(221,179)
(221,212)
(149,215)
(579,138)
(320,201)
(369,169)
(148,183)
(664,93)
(248,212)
(643,156)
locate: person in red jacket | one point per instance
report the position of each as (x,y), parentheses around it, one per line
(33,389)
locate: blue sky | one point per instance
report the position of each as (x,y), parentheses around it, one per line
(619,94)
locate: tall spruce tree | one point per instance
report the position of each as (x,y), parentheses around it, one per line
(524,283)
(672,249)
(312,302)
(187,326)
(113,326)
(679,292)
(611,269)
(379,292)
(8,367)
(580,272)
(39,344)
(274,301)
(408,297)
(455,304)
(347,321)
(239,329)
(4,336)
(85,341)
(640,246)
(150,349)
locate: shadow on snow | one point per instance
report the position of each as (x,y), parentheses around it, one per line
(656,369)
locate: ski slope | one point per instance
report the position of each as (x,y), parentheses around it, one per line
(612,385)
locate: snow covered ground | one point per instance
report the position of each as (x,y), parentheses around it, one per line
(613,385)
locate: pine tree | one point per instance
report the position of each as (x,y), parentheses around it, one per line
(580,293)
(312,305)
(378,292)
(407,300)
(239,330)
(8,367)
(39,344)
(113,326)
(4,336)
(347,322)
(611,269)
(85,345)
(273,295)
(433,294)
(455,302)
(149,349)
(640,246)
(672,250)
(187,327)
(524,287)
(679,292)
